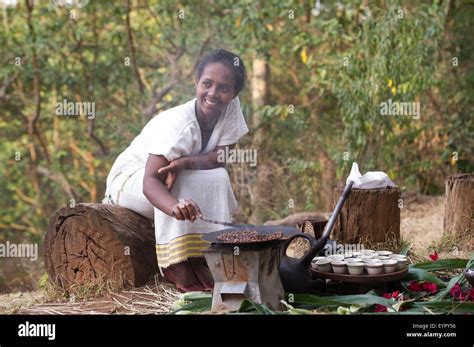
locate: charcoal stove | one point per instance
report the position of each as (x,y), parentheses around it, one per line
(246,270)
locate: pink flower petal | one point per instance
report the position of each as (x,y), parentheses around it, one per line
(470,294)
(434,256)
(456,291)
(430,287)
(414,286)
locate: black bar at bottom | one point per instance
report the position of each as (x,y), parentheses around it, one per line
(238,329)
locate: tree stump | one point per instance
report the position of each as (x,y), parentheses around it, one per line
(368,216)
(92,243)
(459,209)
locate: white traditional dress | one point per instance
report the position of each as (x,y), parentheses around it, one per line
(175,133)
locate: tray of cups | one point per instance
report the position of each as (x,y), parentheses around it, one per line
(367,266)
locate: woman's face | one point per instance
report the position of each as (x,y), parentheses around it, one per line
(214,90)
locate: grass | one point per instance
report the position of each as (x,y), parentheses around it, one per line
(156,297)
(82,291)
(455,243)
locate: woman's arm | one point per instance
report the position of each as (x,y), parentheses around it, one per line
(160,197)
(206,161)
(199,162)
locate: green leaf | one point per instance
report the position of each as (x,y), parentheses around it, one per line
(295,311)
(443,264)
(183,312)
(405,249)
(458,278)
(196,306)
(415,274)
(447,306)
(399,304)
(354,308)
(470,263)
(194,302)
(248,306)
(191,296)
(362,300)
(343,310)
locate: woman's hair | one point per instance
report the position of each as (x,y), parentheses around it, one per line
(232,61)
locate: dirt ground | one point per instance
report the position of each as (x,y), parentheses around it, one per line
(422,221)
(421,226)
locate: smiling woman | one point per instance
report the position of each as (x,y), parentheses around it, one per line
(170,171)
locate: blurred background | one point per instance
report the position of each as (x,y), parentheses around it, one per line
(317,75)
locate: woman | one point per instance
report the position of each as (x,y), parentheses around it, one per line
(170,172)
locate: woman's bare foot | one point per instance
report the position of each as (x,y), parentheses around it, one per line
(183,276)
(202,272)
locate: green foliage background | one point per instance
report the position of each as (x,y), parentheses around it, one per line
(331,66)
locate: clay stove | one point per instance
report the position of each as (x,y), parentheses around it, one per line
(246,270)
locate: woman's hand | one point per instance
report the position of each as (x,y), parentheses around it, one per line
(186,209)
(172,171)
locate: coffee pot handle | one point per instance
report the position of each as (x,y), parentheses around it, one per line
(310,238)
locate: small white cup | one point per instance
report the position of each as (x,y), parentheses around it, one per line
(374,268)
(385,253)
(334,257)
(323,265)
(402,264)
(372,261)
(389,266)
(356,268)
(339,267)
(353,260)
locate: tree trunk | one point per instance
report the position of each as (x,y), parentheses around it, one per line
(93,243)
(368,216)
(459,209)
(327,178)
(260,96)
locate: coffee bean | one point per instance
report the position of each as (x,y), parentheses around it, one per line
(248,236)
